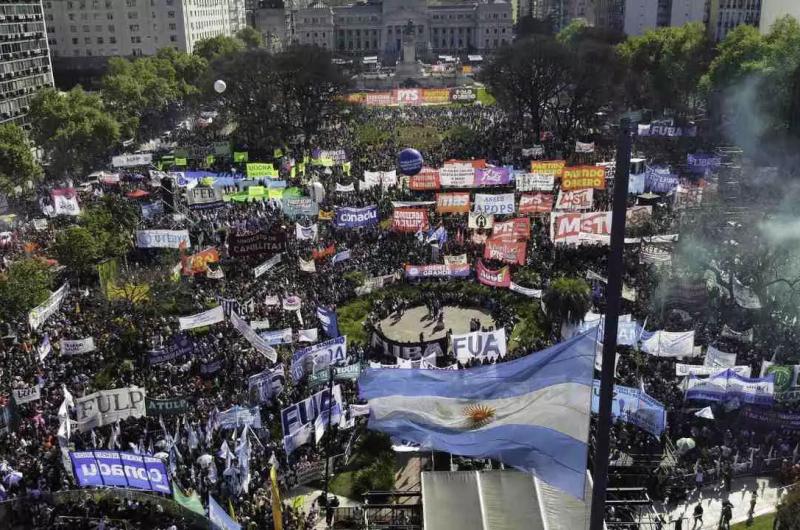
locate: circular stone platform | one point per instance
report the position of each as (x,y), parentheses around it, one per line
(406,328)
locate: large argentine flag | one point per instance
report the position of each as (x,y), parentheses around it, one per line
(531,413)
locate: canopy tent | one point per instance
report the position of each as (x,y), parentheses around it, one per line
(499,500)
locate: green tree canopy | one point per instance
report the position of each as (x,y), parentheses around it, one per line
(250,37)
(219,46)
(142,91)
(23,286)
(77,249)
(74,129)
(567,300)
(274,99)
(17,163)
(665,66)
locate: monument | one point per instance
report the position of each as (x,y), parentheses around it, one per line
(408,66)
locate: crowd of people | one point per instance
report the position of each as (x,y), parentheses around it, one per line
(214,377)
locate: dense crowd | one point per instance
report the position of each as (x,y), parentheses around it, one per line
(30,448)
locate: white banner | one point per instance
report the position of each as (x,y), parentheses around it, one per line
(292,303)
(457,175)
(719,359)
(683,370)
(531,293)
(206,318)
(535,182)
(575,199)
(480,220)
(306,232)
(670,344)
(108,406)
(307,335)
(162,238)
(345,189)
(501,204)
(26,395)
(307,266)
(461,259)
(481,345)
(140,159)
(39,314)
(253,338)
(267,265)
(744,296)
(581,147)
(536,150)
(77,347)
(65,204)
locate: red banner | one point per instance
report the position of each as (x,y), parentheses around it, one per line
(409,219)
(512,230)
(427,179)
(198,263)
(498,278)
(507,251)
(452,202)
(536,203)
(322,253)
(580,177)
(476,164)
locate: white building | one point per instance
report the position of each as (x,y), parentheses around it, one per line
(725,15)
(24,57)
(772,10)
(105,28)
(643,15)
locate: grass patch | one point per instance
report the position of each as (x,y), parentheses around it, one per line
(485,97)
(759,523)
(420,137)
(351,319)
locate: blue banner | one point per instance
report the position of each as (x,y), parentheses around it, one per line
(219,518)
(633,406)
(318,357)
(699,163)
(298,206)
(237,416)
(126,470)
(152,209)
(730,387)
(327,318)
(356,217)
(178,346)
(660,180)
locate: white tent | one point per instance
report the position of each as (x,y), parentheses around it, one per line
(499,500)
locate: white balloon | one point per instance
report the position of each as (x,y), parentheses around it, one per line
(220,86)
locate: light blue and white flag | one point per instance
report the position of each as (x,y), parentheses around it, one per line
(531,413)
(341,256)
(219,518)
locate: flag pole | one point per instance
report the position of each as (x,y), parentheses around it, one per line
(329,434)
(613,302)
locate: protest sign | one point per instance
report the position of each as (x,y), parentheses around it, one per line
(502,204)
(548,167)
(452,202)
(634,406)
(162,239)
(493,278)
(512,230)
(460,175)
(579,177)
(535,182)
(409,220)
(492,176)
(263,386)
(427,179)
(26,395)
(126,470)
(77,347)
(253,338)
(356,217)
(575,200)
(507,251)
(437,271)
(267,265)
(206,318)
(413,351)
(39,314)
(175,406)
(480,220)
(261,243)
(482,345)
(318,357)
(535,203)
(107,406)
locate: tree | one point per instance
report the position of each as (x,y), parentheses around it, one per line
(665,66)
(274,99)
(219,46)
(145,93)
(74,129)
(755,78)
(18,166)
(77,249)
(525,76)
(788,516)
(567,300)
(250,37)
(24,286)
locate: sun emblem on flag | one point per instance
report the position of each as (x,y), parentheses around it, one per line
(479,415)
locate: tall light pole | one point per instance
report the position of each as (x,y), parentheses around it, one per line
(613,302)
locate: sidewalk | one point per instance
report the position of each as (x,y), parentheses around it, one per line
(711,498)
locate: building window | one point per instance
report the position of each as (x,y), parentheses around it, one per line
(173,26)
(86,29)
(136,39)
(112,28)
(134,28)
(74,40)
(73,29)
(133,15)
(110,16)
(171,14)
(173,38)
(100,40)
(112,40)
(87,40)
(130,3)
(71,16)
